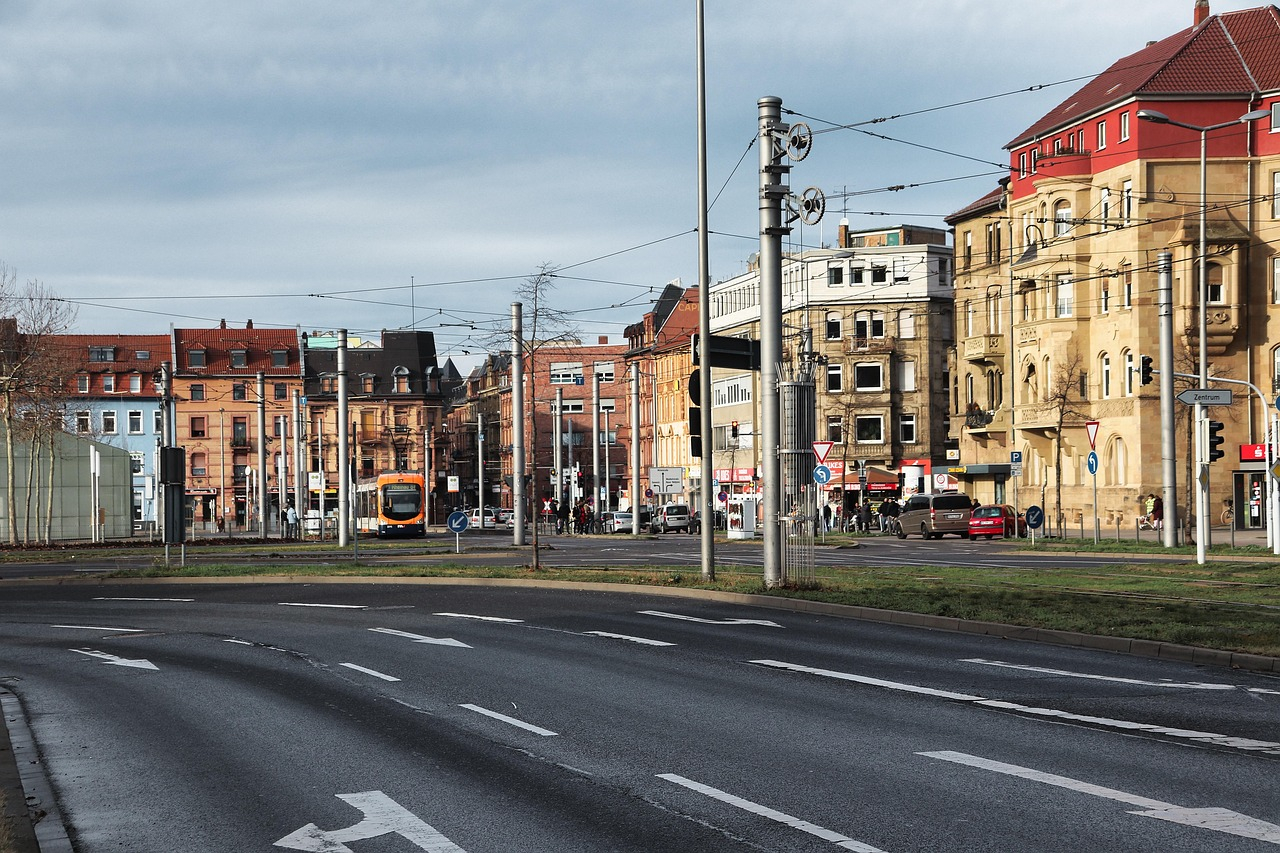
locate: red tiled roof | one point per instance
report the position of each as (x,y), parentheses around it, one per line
(989,201)
(218,344)
(75,349)
(1235,54)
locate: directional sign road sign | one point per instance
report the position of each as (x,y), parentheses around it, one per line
(1205,397)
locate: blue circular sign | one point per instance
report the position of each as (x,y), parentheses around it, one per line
(1035,517)
(457,521)
(648,493)
(822,475)
(1093,461)
(724,497)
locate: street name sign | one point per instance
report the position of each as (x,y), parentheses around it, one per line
(1206,397)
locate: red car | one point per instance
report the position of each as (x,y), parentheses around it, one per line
(996,520)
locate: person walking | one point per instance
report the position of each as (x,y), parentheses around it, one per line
(291,522)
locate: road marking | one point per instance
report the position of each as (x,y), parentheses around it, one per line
(481,618)
(239,642)
(766,812)
(372,672)
(1188,685)
(121,598)
(629,638)
(100,628)
(418,638)
(1246,744)
(537,730)
(666,615)
(332,606)
(116,661)
(382,816)
(1214,819)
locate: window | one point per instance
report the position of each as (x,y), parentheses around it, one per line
(1275,369)
(135,383)
(1275,281)
(1057,145)
(1104,381)
(906,323)
(1063,296)
(82,422)
(281,391)
(279,358)
(1083,381)
(109,383)
(1128,373)
(1275,116)
(907,428)
(572,407)
(1104,294)
(879,274)
(994,314)
(1126,203)
(868,429)
(100,354)
(400,380)
(1126,275)
(239,358)
(566,372)
(198,464)
(835,378)
(1102,135)
(1022,165)
(993,243)
(835,326)
(868,324)
(1124,126)
(968,319)
(1062,218)
(197,392)
(835,429)
(328,384)
(868,377)
(856,274)
(108,423)
(906,376)
(137,460)
(238,391)
(195,358)
(1104,206)
(1035,159)
(142,355)
(157,421)
(835,275)
(239,432)
(968,249)
(82,384)
(198,426)
(367,381)
(605,370)
(135,422)
(1214,292)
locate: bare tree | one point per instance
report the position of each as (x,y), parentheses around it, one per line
(1063,400)
(32,377)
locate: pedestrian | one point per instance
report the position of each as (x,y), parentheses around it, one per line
(1149,505)
(826,517)
(1157,513)
(864,516)
(291,522)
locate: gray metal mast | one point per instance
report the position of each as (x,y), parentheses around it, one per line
(517,423)
(1168,431)
(705,495)
(772,194)
(344,447)
(595,442)
(635,447)
(557,431)
(299,460)
(262,455)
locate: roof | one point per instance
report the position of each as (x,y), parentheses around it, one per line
(990,201)
(75,349)
(1232,55)
(218,343)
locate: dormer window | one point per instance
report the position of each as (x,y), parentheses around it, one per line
(196,358)
(239,358)
(400,380)
(279,358)
(101,354)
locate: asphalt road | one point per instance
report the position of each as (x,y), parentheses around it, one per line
(390,717)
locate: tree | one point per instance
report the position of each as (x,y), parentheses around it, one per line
(32,379)
(1062,400)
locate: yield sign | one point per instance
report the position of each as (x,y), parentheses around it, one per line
(1092,428)
(821,449)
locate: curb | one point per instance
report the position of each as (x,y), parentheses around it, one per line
(36,820)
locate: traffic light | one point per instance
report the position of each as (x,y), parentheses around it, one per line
(1146,370)
(1215,440)
(695,414)
(733,429)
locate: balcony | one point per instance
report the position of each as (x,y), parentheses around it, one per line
(856,344)
(979,421)
(984,348)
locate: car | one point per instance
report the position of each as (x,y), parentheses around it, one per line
(616,522)
(935,514)
(669,517)
(490,517)
(718,521)
(993,520)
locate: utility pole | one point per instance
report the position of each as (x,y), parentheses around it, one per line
(517,431)
(595,441)
(1168,429)
(705,497)
(344,446)
(557,452)
(262,455)
(772,194)
(480,466)
(635,448)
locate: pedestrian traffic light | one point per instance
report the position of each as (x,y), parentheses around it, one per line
(1215,441)
(1146,370)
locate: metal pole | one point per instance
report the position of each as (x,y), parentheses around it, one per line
(772,193)
(704,323)
(299,460)
(344,447)
(480,466)
(1274,489)
(1203,525)
(262,455)
(635,448)
(557,452)
(1168,424)
(608,446)
(517,425)
(595,441)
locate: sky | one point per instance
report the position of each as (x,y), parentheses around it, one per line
(412,163)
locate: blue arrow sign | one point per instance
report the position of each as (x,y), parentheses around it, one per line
(822,475)
(457,521)
(1035,517)
(1093,462)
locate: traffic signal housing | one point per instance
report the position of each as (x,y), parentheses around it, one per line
(1215,441)
(1145,372)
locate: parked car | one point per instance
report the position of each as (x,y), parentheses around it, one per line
(490,517)
(935,514)
(669,517)
(616,522)
(996,520)
(718,521)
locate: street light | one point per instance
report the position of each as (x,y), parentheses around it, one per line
(1202,508)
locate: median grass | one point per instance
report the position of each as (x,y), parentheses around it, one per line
(1231,605)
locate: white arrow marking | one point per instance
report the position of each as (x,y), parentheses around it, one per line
(112,659)
(764,811)
(1217,820)
(334,606)
(368,671)
(629,638)
(382,816)
(481,618)
(107,598)
(418,638)
(521,724)
(665,615)
(1188,685)
(99,628)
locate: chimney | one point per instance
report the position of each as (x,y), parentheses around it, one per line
(248,324)
(602,340)
(842,235)
(1202,11)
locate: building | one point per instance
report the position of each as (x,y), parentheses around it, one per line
(878,307)
(1057,280)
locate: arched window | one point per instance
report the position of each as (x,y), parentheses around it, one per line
(199,463)
(400,380)
(1045,379)
(1127,382)
(1062,218)
(993,314)
(835,325)
(906,323)
(968,318)
(968,389)
(1115,463)
(1029,383)
(1104,376)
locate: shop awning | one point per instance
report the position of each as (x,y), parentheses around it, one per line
(877,481)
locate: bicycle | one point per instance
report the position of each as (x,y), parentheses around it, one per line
(1228,513)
